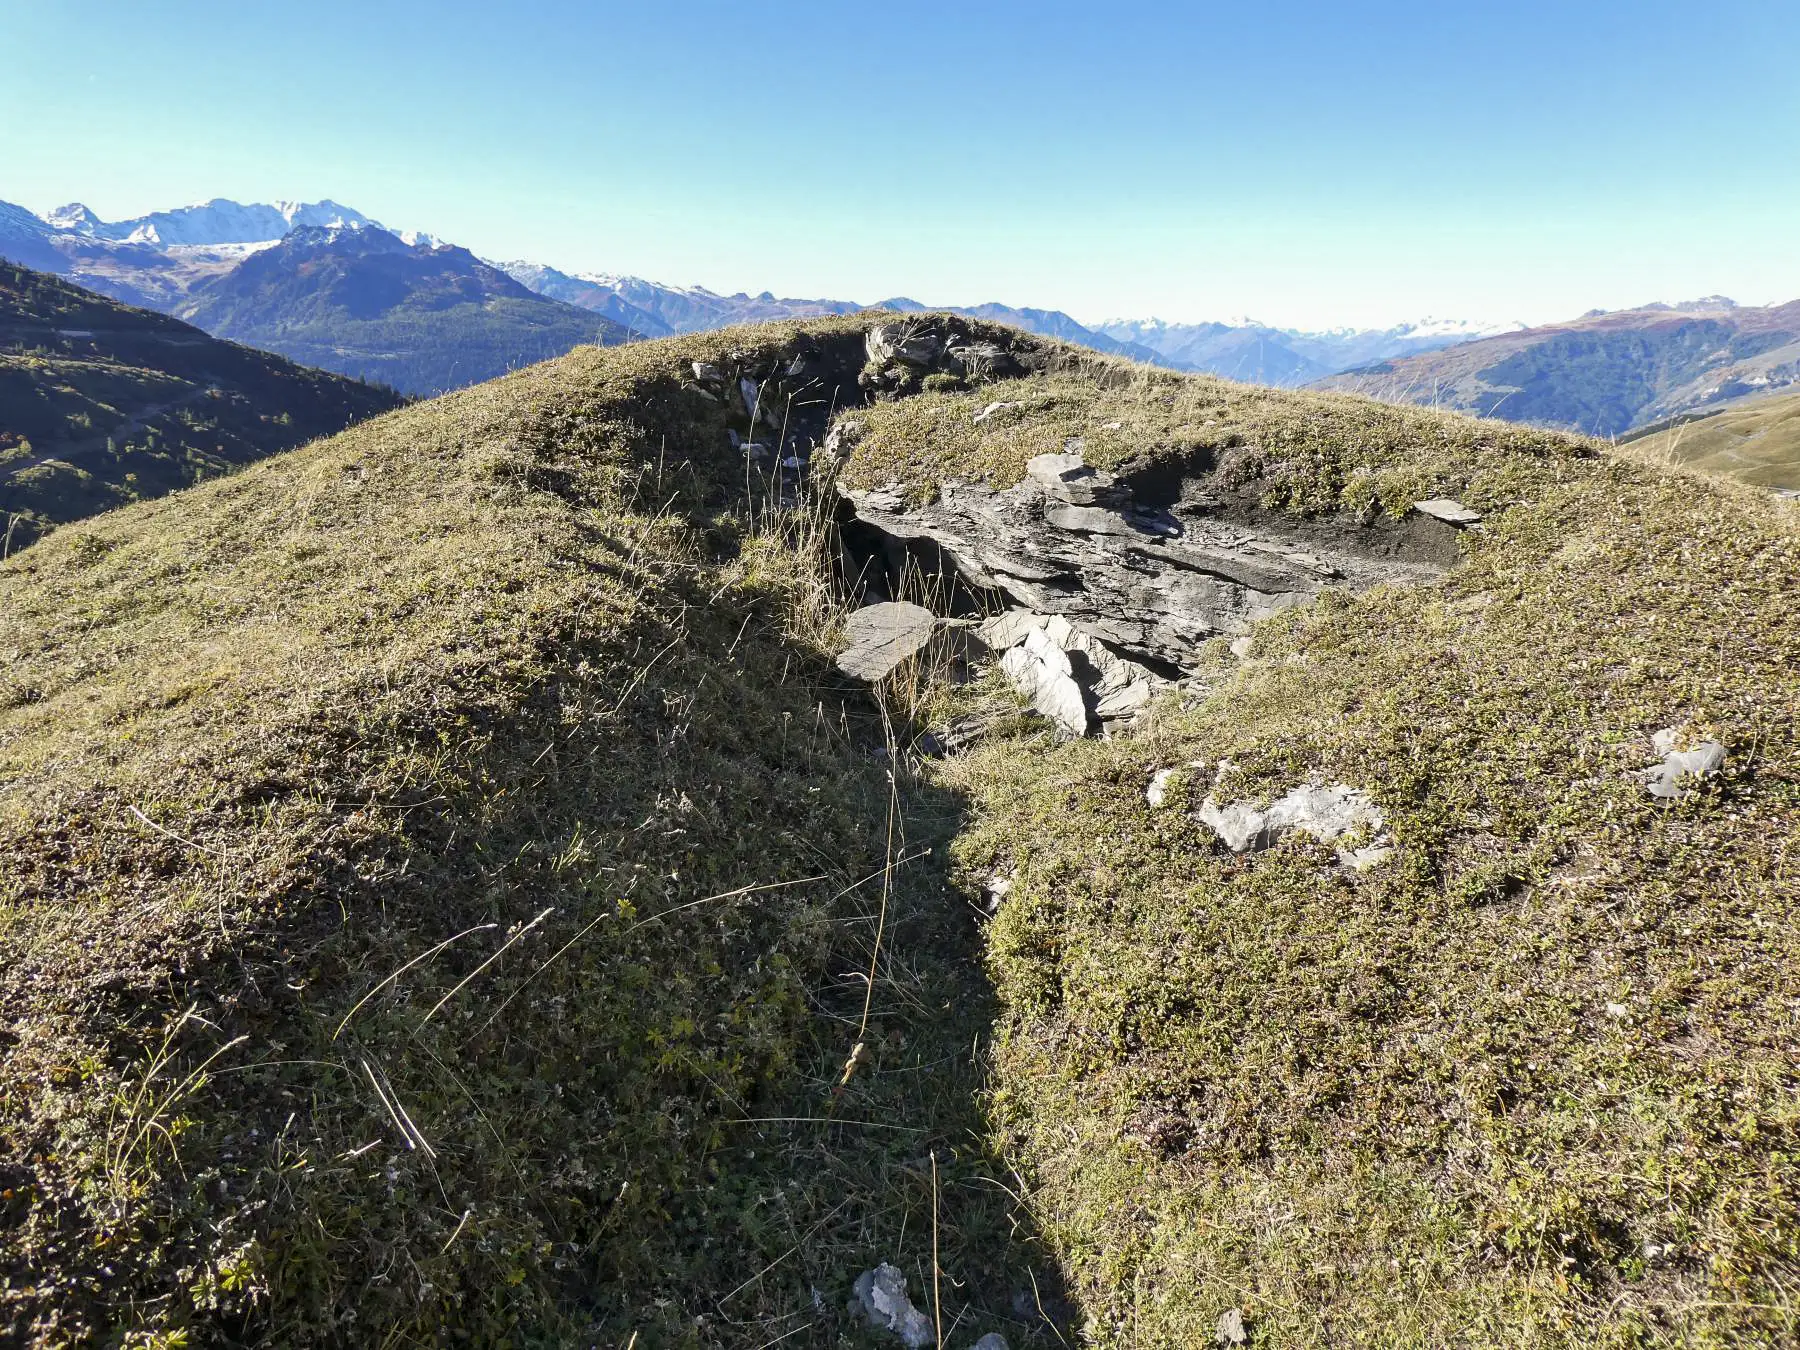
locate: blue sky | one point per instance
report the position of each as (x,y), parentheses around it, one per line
(1310,164)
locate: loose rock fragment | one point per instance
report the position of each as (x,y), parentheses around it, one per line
(1702,759)
(1054,657)
(1450,512)
(879,1296)
(992,410)
(843,438)
(879,637)
(1067,477)
(1326,813)
(1157,792)
(1040,670)
(915,344)
(992,1341)
(1231,1328)
(996,888)
(980,360)
(1009,629)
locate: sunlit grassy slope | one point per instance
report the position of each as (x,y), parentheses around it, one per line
(1757,441)
(439,872)
(1531,1082)
(103,404)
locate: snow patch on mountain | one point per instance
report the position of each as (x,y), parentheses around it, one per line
(219,221)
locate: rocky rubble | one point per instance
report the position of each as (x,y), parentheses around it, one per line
(1102,598)
(780,407)
(1070,677)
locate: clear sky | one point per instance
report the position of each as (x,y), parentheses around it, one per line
(1306,163)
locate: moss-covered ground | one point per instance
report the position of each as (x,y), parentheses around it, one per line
(440,874)
(1531,1082)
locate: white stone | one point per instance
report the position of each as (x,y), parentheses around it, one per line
(880,1296)
(1702,759)
(1326,813)
(1158,791)
(1040,670)
(1009,629)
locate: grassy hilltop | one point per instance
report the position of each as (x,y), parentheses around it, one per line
(440,873)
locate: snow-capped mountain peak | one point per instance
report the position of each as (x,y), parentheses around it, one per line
(73,218)
(219,221)
(1460,329)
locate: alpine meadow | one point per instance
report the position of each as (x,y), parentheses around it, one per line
(578,769)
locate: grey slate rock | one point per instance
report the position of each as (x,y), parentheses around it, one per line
(1154,599)
(879,1297)
(879,637)
(913,344)
(1450,512)
(1066,477)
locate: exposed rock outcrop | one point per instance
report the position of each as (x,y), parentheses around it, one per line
(780,408)
(1151,582)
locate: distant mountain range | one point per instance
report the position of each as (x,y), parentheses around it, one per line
(175,261)
(650,309)
(156,259)
(219,221)
(325,284)
(1246,349)
(1605,373)
(102,404)
(363,302)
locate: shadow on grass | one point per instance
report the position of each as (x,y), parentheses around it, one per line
(895,1165)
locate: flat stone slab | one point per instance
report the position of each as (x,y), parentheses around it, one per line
(1067,477)
(879,637)
(1450,512)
